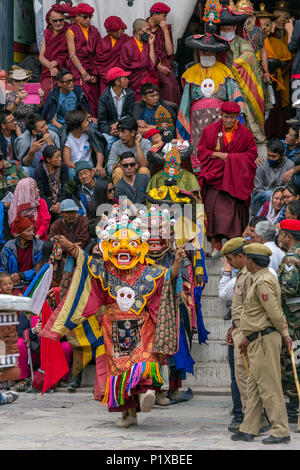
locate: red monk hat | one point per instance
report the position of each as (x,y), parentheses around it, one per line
(151,132)
(72,13)
(58,8)
(116,72)
(230,107)
(291,225)
(20,224)
(83,9)
(114,23)
(160,7)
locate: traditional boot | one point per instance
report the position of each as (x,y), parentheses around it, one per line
(147,401)
(72,387)
(161,399)
(128,419)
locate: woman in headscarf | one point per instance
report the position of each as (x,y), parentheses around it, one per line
(54,49)
(28,203)
(271,209)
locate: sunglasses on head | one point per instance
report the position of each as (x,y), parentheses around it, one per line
(60,20)
(128,165)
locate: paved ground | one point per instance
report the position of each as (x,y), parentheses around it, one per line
(67,421)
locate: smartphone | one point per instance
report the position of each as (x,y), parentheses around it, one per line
(39,136)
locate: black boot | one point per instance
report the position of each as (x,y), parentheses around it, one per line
(75,383)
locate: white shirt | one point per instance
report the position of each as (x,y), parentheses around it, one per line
(118,101)
(277,255)
(80,148)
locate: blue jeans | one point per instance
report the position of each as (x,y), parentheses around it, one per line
(259,200)
(235,393)
(110,139)
(29,170)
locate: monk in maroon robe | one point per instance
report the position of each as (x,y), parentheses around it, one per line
(138,57)
(54,49)
(82,40)
(109,48)
(164,51)
(226,155)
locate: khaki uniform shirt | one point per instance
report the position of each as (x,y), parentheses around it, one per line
(242,285)
(262,306)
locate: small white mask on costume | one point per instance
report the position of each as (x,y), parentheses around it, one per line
(112,224)
(125,298)
(208,87)
(124,220)
(136,223)
(145,236)
(208,60)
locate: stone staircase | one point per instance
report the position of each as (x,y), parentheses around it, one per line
(212,371)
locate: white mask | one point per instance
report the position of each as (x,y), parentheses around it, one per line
(208,60)
(228,36)
(207,87)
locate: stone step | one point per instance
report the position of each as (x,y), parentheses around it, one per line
(213,307)
(217,327)
(212,351)
(209,375)
(212,286)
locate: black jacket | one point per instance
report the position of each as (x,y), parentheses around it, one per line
(42,182)
(51,105)
(107,113)
(294,47)
(3,145)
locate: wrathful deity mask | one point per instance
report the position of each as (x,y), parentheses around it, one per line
(125,249)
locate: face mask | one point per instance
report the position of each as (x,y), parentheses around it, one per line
(274,163)
(145,36)
(228,36)
(208,60)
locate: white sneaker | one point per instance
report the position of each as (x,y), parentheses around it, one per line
(296,104)
(147,401)
(127,422)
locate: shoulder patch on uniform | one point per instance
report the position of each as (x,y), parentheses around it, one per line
(289,268)
(265,297)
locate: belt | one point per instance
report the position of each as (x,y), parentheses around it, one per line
(236,323)
(292,300)
(264,332)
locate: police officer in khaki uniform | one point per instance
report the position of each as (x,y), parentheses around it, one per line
(233,251)
(264,328)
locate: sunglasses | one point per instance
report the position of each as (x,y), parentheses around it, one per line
(85,17)
(10,122)
(60,20)
(68,82)
(128,165)
(110,190)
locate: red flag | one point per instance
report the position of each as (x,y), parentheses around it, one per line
(53,360)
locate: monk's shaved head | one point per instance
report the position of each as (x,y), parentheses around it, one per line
(139,24)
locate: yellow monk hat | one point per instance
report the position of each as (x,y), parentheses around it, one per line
(232,245)
(257,249)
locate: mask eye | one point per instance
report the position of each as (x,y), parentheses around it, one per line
(133,244)
(115,244)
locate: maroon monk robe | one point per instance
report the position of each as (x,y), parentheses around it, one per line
(168,86)
(85,51)
(55,49)
(226,186)
(108,56)
(139,64)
